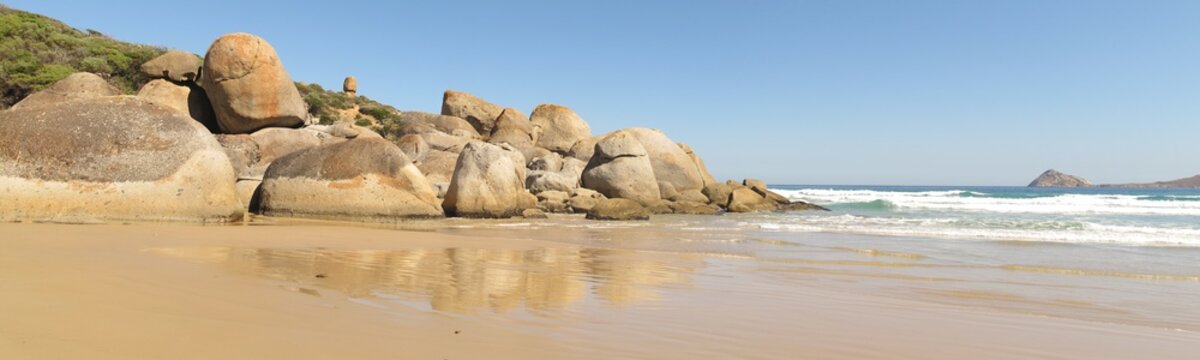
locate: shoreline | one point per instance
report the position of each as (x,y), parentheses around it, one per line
(251,291)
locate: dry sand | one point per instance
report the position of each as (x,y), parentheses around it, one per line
(327,291)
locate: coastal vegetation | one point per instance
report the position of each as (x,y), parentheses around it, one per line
(36,51)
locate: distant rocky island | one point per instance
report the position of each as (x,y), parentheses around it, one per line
(146,134)
(1054,178)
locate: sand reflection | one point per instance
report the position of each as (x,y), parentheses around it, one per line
(464,280)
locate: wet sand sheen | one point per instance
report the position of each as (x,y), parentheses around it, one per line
(320,291)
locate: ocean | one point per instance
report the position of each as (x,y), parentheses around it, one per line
(1136,217)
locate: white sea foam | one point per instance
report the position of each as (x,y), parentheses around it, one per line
(1000,229)
(957,200)
(1172,220)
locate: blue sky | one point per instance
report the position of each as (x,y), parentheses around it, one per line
(802,92)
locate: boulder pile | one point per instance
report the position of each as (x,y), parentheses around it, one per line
(228,135)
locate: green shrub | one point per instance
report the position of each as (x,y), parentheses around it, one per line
(361,121)
(379,113)
(36,51)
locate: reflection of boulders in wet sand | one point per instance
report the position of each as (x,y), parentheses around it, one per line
(631,278)
(467,280)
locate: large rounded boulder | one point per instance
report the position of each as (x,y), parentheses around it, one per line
(74,87)
(438,167)
(671,162)
(366,179)
(112,158)
(443,123)
(513,128)
(620,168)
(488,182)
(584,149)
(747,200)
(248,86)
(478,112)
(187,99)
(558,128)
(699,163)
(177,66)
(252,154)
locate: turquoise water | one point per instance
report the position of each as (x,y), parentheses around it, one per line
(1138,217)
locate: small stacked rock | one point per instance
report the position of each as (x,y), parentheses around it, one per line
(350,86)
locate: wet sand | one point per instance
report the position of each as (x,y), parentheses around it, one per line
(560,289)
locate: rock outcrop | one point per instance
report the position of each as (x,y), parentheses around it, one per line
(693,208)
(252,154)
(248,87)
(449,125)
(479,113)
(112,158)
(414,146)
(801,206)
(699,163)
(487,183)
(718,193)
(671,163)
(618,209)
(554,201)
(747,200)
(538,181)
(583,200)
(357,179)
(513,128)
(74,87)
(78,149)
(620,168)
(438,166)
(268,145)
(174,65)
(1184,183)
(584,149)
(558,128)
(186,99)
(1053,178)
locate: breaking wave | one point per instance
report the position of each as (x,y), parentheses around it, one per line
(962,200)
(1129,218)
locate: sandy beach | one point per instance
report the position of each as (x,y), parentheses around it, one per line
(554,289)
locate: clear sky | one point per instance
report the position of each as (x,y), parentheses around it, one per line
(802,92)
